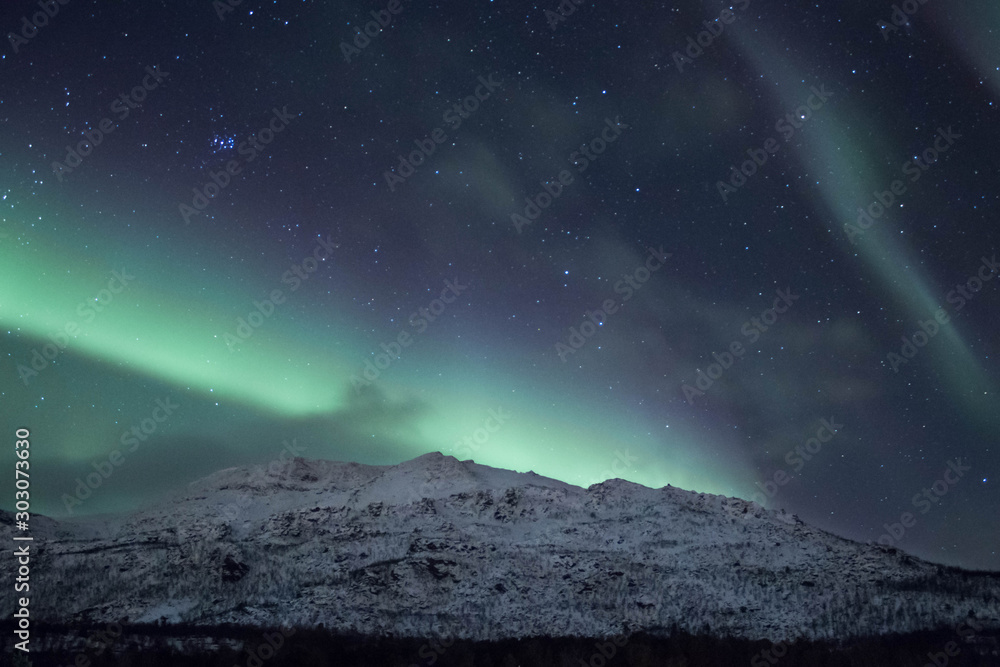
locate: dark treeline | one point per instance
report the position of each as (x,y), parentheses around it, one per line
(151,645)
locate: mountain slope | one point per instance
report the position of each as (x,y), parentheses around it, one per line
(436,545)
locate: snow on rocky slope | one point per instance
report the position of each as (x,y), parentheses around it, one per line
(441,546)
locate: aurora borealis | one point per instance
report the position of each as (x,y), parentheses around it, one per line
(277,284)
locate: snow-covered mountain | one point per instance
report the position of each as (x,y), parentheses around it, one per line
(441,546)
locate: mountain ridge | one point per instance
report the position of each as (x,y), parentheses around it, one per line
(435,545)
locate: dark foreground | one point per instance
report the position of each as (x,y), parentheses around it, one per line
(229,646)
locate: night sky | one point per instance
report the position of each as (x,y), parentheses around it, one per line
(512,235)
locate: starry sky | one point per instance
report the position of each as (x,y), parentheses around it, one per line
(576,239)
